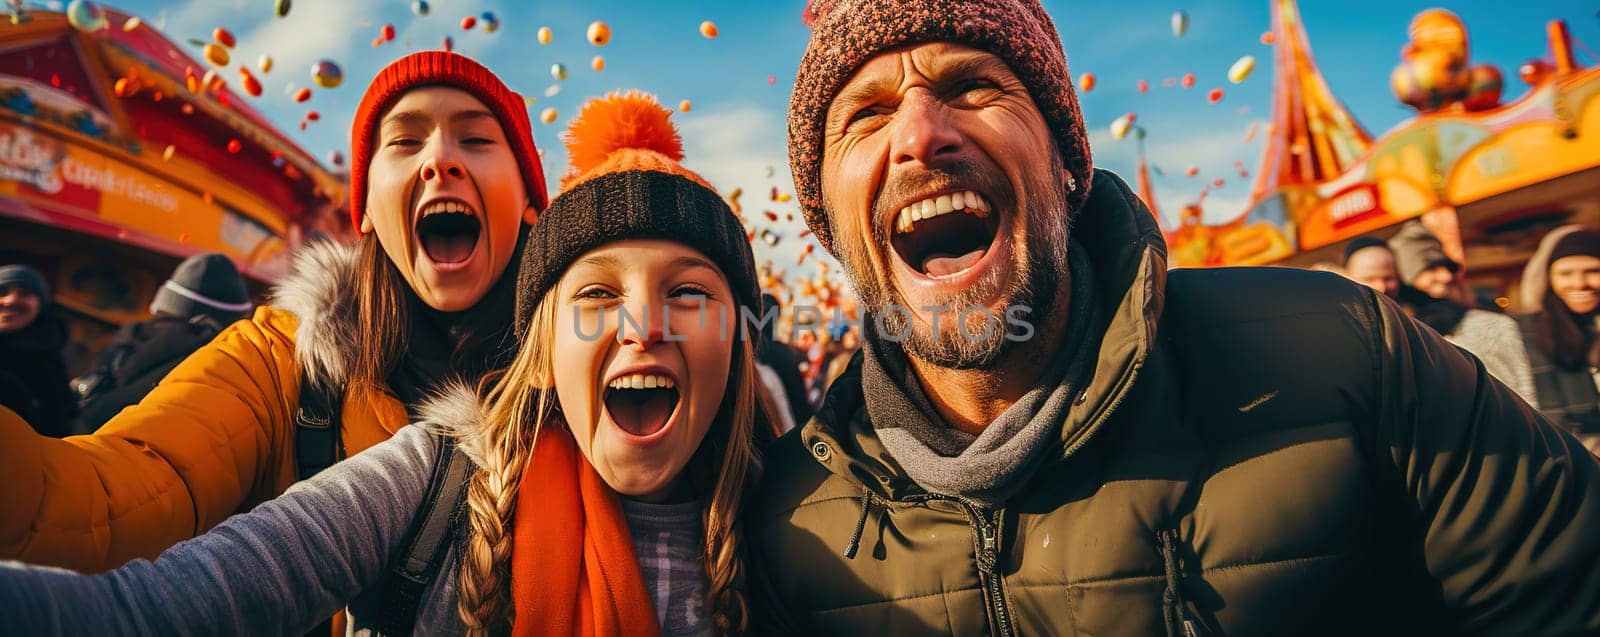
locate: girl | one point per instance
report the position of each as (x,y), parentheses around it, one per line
(631,381)
(444,178)
(1562,283)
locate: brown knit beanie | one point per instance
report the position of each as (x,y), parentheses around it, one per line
(847,33)
(625,182)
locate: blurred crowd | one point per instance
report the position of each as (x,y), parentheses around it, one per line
(204,294)
(1547,353)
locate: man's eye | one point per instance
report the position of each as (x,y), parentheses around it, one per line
(864,115)
(970,86)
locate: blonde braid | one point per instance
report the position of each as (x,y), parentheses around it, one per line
(724,541)
(491,501)
(519,403)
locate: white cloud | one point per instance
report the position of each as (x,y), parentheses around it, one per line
(310,32)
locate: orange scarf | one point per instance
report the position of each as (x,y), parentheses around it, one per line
(573,569)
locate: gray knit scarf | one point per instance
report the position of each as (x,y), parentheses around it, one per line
(945,460)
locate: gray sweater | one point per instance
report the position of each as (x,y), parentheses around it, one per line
(280,569)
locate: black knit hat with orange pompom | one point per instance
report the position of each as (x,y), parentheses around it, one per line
(625,182)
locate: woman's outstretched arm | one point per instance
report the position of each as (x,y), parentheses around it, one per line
(279,569)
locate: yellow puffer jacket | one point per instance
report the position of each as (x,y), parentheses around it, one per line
(215,437)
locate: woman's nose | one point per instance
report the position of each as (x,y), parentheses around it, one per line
(442,164)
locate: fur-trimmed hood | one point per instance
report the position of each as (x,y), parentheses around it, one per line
(455,410)
(320,292)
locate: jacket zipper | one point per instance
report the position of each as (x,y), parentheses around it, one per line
(988,529)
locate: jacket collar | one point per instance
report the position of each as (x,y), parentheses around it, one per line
(1129,259)
(320,292)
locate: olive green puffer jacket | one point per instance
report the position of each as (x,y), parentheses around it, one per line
(1259,452)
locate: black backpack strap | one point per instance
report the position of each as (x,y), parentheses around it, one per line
(316,429)
(422,554)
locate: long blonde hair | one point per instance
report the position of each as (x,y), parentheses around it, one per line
(520,402)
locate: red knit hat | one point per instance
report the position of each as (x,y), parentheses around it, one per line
(441,68)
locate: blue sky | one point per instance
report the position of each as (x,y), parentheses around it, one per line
(736,128)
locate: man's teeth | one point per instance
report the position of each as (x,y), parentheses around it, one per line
(642,381)
(971,202)
(441,207)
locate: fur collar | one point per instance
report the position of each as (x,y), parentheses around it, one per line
(455,410)
(320,291)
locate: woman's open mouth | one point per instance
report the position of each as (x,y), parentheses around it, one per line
(448,232)
(944,235)
(641,405)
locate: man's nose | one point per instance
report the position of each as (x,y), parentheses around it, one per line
(923,133)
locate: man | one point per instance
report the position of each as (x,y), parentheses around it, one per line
(33,376)
(1250,451)
(1370,262)
(1434,295)
(1421,262)
(204,295)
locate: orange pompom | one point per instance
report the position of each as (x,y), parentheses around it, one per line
(620,121)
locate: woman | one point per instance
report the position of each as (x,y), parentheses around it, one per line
(356,336)
(1562,281)
(631,381)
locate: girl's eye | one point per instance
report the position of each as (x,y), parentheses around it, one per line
(403,142)
(477,141)
(594,292)
(691,292)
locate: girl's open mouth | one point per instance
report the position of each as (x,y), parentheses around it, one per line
(641,404)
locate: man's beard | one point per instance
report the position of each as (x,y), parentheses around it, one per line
(1037,273)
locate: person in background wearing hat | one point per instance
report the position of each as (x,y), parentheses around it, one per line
(444,182)
(1047,432)
(1421,262)
(1561,284)
(203,296)
(33,376)
(594,507)
(1432,292)
(1370,262)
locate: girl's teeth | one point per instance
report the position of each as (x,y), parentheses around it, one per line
(642,381)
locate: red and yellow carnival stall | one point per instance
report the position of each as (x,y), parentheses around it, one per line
(115,164)
(1488,177)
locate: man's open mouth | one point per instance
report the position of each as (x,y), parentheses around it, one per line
(946,234)
(448,231)
(641,404)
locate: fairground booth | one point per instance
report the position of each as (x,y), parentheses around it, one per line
(120,155)
(1488,175)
